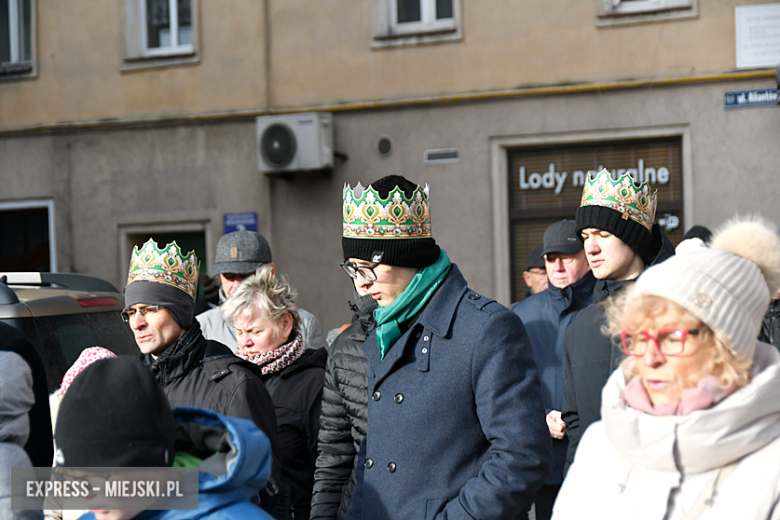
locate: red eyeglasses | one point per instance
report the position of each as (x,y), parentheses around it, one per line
(669,342)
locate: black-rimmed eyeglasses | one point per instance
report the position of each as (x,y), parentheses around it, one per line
(365,271)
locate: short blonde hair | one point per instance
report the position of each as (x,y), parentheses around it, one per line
(272,294)
(640,312)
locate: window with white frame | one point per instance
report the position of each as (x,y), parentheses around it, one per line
(643,6)
(421,15)
(418,21)
(167,26)
(15,34)
(159,29)
(619,12)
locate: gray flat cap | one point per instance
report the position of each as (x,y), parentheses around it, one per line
(241,252)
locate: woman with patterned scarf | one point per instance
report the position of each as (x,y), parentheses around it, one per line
(268,329)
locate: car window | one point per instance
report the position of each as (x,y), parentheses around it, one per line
(62,338)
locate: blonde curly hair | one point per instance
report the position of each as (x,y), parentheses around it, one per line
(272,294)
(625,312)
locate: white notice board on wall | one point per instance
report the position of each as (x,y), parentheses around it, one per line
(757,35)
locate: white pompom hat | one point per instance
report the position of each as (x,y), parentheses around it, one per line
(728,285)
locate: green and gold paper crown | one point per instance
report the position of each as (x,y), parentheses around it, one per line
(167,266)
(367,215)
(623,195)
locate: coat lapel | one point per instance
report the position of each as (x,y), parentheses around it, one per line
(436,317)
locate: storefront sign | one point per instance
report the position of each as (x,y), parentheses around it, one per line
(554,179)
(750,98)
(545,185)
(757,35)
(240,222)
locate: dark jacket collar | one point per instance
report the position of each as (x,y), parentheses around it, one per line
(363,312)
(440,311)
(189,352)
(606,288)
(179,357)
(574,294)
(312,358)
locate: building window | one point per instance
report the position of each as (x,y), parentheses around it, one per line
(168,26)
(27,236)
(160,32)
(644,6)
(405,22)
(15,36)
(619,12)
(415,16)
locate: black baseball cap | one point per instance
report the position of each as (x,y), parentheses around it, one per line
(535,259)
(561,237)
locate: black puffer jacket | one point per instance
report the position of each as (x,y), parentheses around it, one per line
(343,420)
(590,356)
(296,392)
(770,327)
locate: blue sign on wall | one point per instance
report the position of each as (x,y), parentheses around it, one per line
(240,221)
(750,98)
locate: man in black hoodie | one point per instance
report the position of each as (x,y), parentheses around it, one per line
(615,223)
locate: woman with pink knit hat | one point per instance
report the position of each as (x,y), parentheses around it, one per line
(86,358)
(690,423)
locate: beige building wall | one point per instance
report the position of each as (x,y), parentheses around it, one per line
(108,183)
(320,54)
(80,56)
(507,44)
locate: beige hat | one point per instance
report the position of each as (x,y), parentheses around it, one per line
(728,285)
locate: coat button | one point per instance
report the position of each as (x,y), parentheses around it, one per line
(376,395)
(368,463)
(426,338)
(399,398)
(473,296)
(391,467)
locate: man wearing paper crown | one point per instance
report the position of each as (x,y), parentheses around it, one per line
(456,421)
(193,371)
(615,222)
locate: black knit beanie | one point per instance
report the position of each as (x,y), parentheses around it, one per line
(115,414)
(632,233)
(179,303)
(400,252)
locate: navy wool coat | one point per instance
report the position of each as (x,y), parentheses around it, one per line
(456,420)
(546,317)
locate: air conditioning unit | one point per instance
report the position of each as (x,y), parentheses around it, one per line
(295,142)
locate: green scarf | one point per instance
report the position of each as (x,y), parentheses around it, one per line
(409,303)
